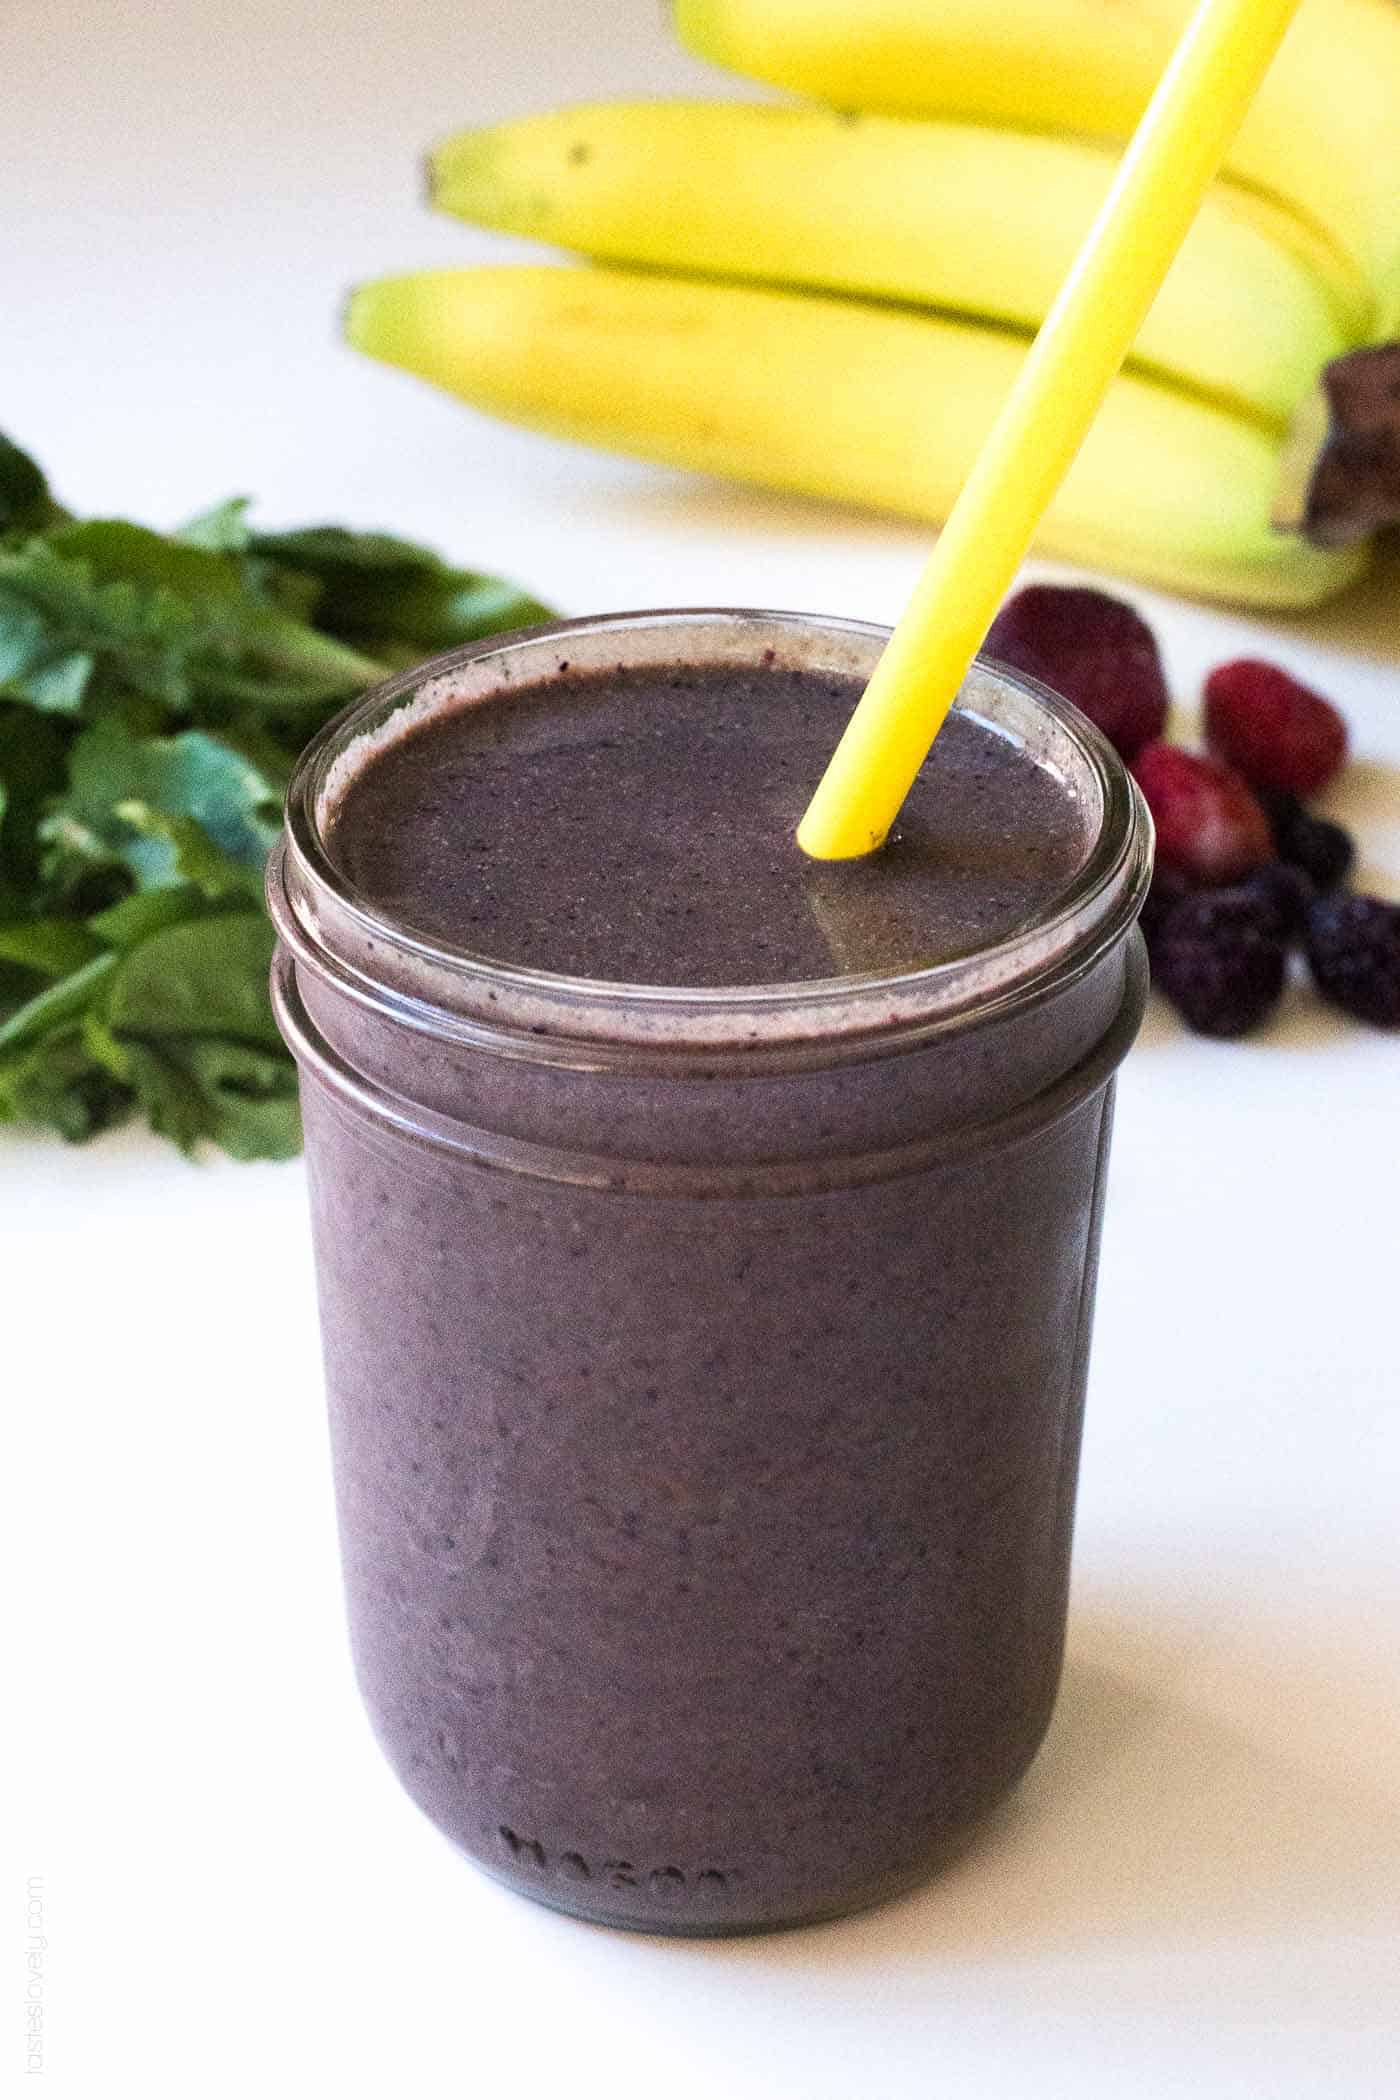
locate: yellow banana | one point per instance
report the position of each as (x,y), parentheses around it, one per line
(1323,135)
(962,217)
(841,398)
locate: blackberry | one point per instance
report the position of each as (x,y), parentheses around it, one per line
(1281,895)
(1218,962)
(1168,888)
(1322,850)
(1353,949)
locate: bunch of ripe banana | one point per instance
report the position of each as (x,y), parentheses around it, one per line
(834,296)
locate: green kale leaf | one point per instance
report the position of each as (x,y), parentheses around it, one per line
(154,692)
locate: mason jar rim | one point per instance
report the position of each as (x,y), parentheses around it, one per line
(448,989)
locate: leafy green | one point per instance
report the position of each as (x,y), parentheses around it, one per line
(224,528)
(55,1080)
(59,1003)
(25,502)
(102,615)
(397,599)
(33,755)
(183,1020)
(167,809)
(48,947)
(144,912)
(154,691)
(206,977)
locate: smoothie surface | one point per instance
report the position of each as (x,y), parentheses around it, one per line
(638,827)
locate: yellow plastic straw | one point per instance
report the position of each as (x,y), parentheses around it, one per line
(1166,170)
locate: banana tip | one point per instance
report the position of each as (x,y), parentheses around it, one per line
(352,315)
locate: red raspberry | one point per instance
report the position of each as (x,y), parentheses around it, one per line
(1273,730)
(1209,825)
(1093,649)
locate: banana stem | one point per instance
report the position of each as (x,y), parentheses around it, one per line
(1173,156)
(1339,476)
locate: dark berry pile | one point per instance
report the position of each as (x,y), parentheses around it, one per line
(1245,872)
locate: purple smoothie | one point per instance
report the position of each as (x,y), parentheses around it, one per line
(639,825)
(705,1363)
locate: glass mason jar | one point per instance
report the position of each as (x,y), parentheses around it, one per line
(706,1366)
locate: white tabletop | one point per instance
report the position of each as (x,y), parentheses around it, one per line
(1198,1888)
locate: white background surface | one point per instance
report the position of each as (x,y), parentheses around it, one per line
(1198,1889)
